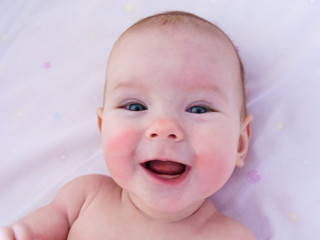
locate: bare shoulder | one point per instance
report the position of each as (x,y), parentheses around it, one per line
(76,196)
(90,182)
(212,224)
(54,220)
(228,228)
(85,186)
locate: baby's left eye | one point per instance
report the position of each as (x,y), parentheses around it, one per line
(197,109)
(135,107)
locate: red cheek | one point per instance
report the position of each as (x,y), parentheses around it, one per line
(120,140)
(215,166)
(119,149)
(120,143)
(209,162)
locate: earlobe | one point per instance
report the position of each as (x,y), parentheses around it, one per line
(100,116)
(244,139)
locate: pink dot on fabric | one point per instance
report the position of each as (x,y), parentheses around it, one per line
(253,177)
(47,65)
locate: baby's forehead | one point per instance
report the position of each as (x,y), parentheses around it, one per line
(189,55)
(192,25)
(195,34)
(194,29)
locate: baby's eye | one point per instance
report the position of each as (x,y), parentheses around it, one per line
(198,109)
(135,107)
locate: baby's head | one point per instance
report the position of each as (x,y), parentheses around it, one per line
(174,123)
(192,25)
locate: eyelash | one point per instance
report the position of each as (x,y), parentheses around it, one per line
(134,104)
(137,107)
(198,109)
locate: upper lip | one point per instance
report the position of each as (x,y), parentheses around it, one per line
(164,160)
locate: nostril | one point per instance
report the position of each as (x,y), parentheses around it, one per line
(172,136)
(153,135)
(164,129)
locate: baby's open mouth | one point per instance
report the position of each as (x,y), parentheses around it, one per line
(166,169)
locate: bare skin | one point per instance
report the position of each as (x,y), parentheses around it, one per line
(172,134)
(103,210)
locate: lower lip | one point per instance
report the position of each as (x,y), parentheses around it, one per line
(167,179)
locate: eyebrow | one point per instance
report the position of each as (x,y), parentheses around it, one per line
(190,88)
(131,84)
(206,88)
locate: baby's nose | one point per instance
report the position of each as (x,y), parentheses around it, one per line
(165,129)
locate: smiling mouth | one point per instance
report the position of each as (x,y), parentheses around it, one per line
(165,169)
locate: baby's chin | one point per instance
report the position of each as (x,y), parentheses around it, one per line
(166,209)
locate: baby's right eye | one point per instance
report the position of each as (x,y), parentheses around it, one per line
(135,107)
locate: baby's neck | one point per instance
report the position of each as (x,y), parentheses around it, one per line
(199,208)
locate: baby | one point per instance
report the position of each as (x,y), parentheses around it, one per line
(174,126)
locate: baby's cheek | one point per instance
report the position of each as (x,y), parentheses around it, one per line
(215,167)
(119,150)
(119,143)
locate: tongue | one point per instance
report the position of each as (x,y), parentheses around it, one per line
(165,167)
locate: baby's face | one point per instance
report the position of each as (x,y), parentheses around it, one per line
(171,121)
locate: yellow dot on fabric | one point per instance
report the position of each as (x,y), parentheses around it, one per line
(280,125)
(98,147)
(128,7)
(91,35)
(293,217)
(94,98)
(19,114)
(40,200)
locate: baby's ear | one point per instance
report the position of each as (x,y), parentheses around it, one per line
(244,139)
(100,116)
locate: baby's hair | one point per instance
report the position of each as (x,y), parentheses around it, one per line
(192,21)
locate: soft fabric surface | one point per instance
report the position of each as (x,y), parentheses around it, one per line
(52,66)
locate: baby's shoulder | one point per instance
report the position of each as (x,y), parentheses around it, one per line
(209,223)
(74,197)
(93,180)
(89,186)
(228,228)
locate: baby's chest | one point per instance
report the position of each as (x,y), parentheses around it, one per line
(108,229)
(107,224)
